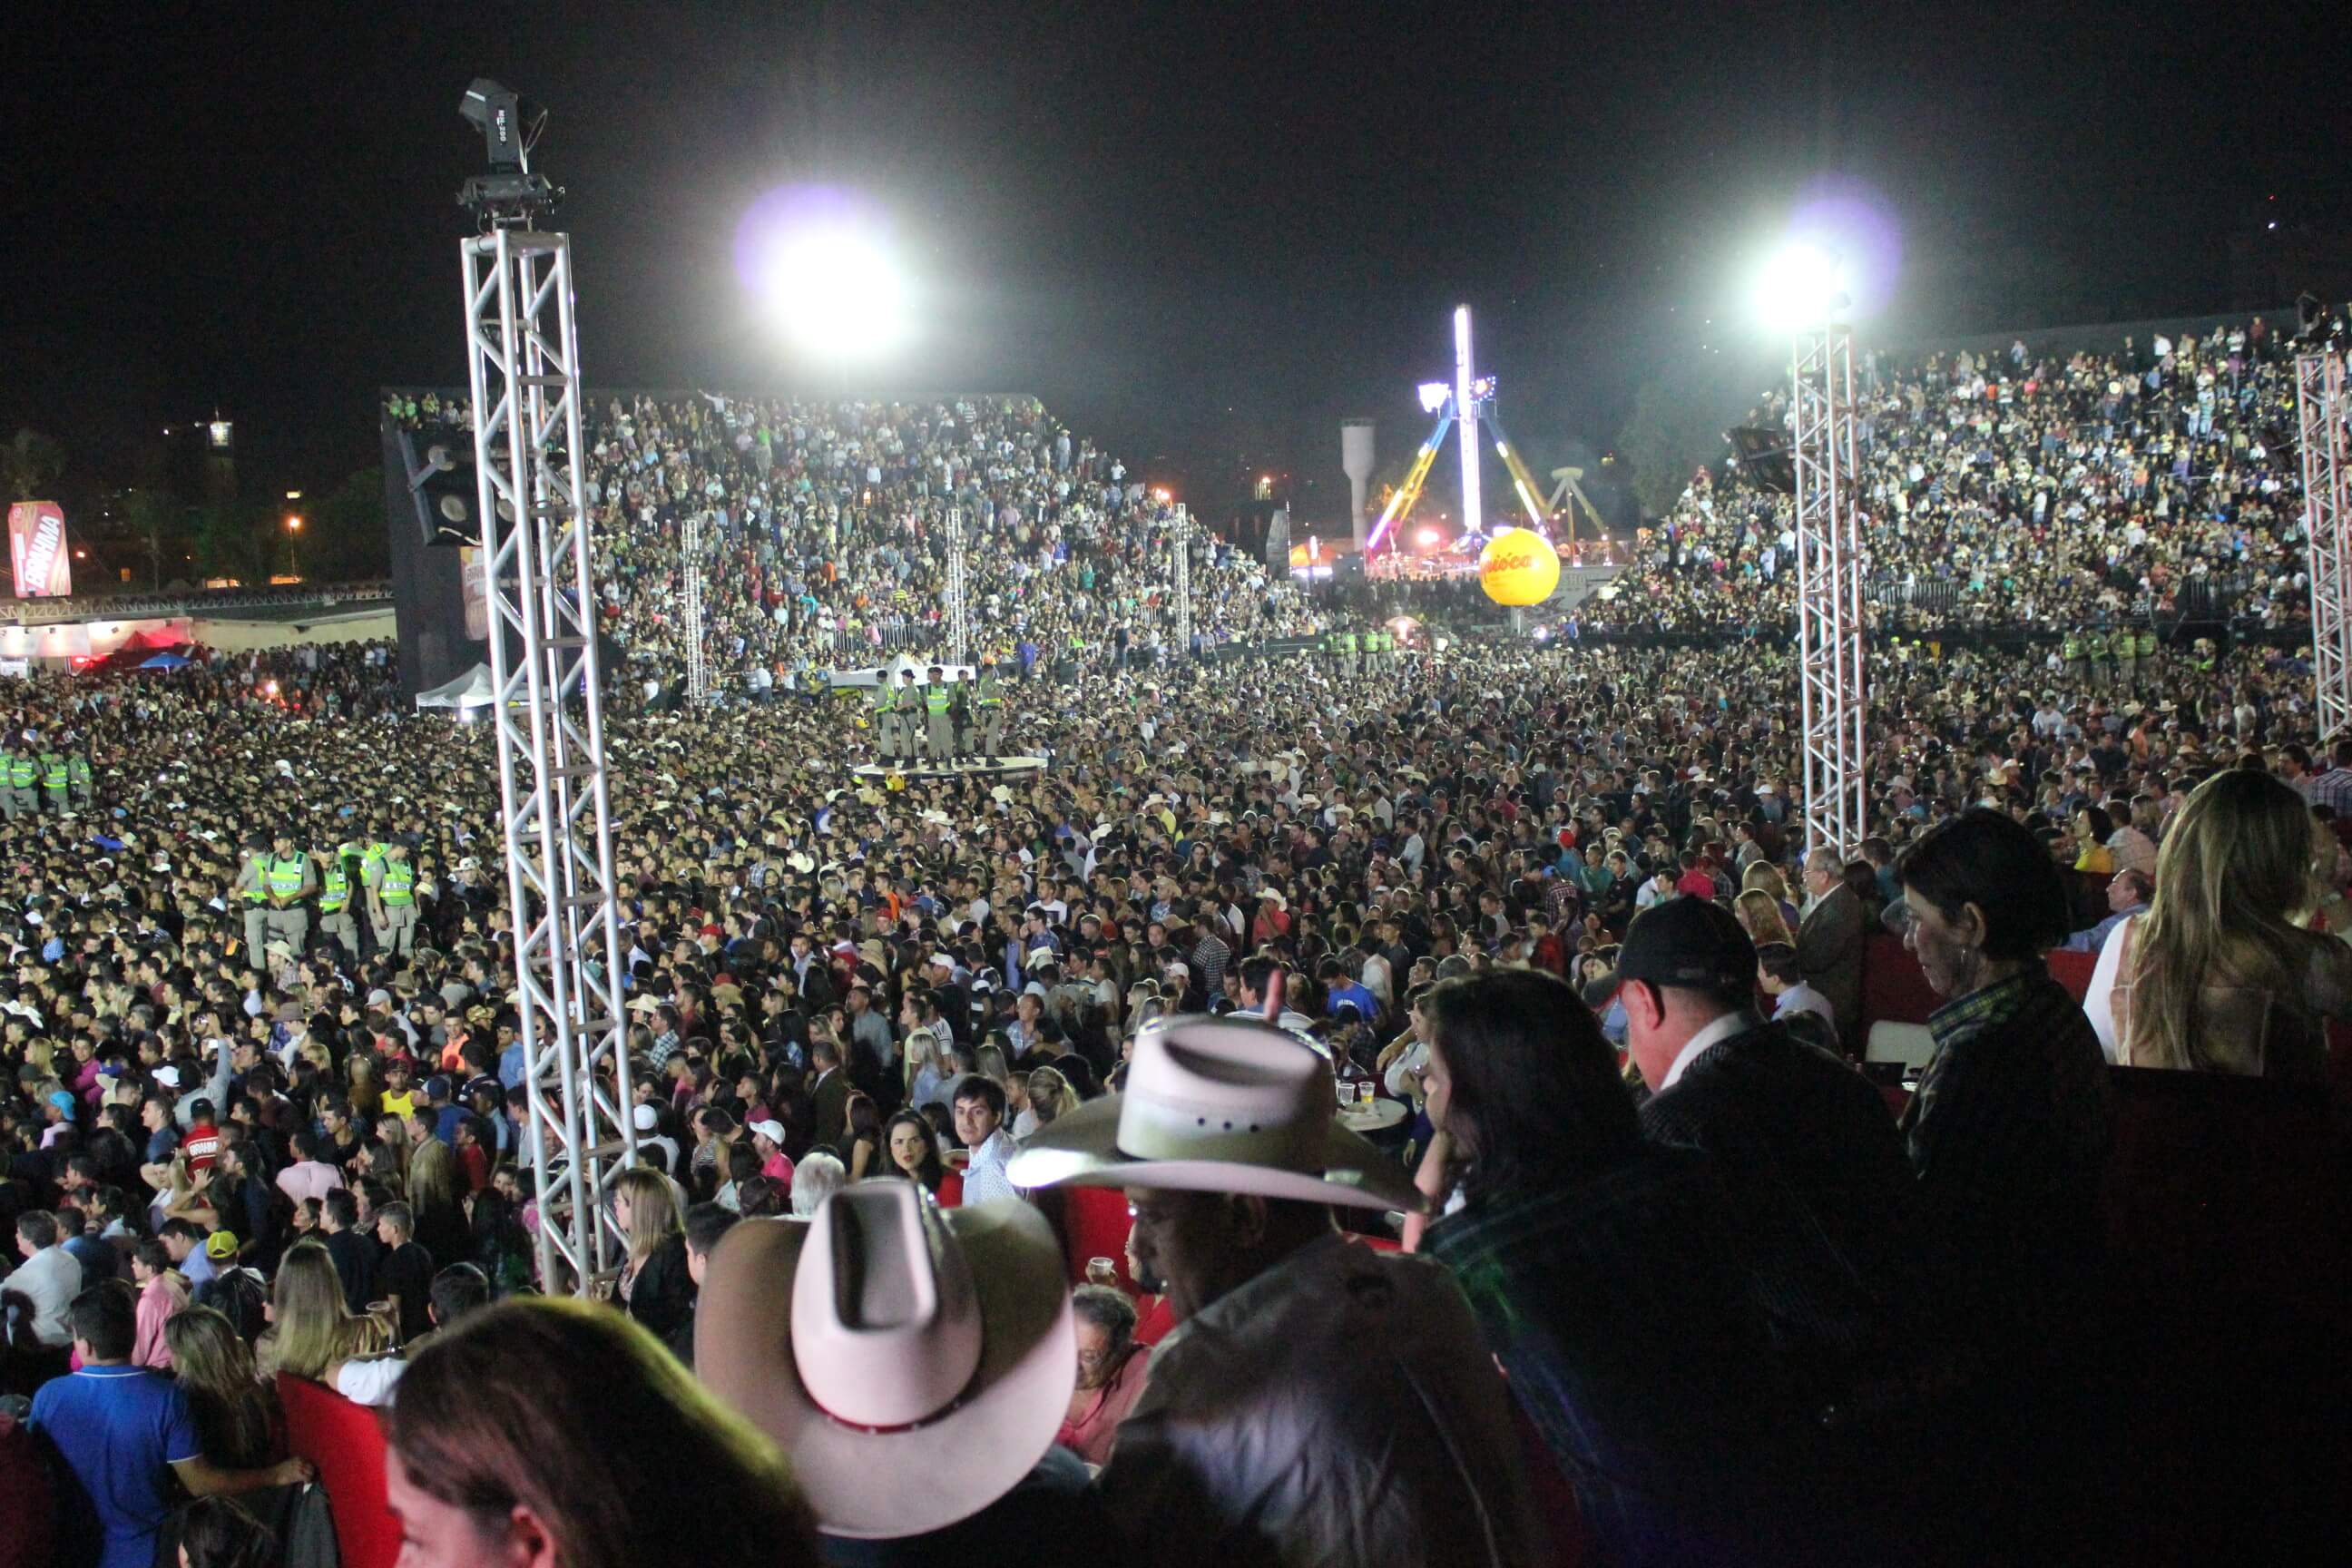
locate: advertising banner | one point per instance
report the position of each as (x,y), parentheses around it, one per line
(36,549)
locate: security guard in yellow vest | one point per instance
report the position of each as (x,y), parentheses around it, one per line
(78,781)
(2123,649)
(24,778)
(987,737)
(1348,651)
(887,729)
(335,889)
(2145,639)
(2070,648)
(53,777)
(7,788)
(392,901)
(938,717)
(251,892)
(289,879)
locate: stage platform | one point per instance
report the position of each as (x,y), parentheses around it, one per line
(975,768)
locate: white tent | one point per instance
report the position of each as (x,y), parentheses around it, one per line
(887,674)
(471,689)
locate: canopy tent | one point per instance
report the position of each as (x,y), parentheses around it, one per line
(471,689)
(887,674)
(166,660)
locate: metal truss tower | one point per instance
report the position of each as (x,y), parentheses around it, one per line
(958,609)
(1829,589)
(522,351)
(697,657)
(1179,533)
(2320,411)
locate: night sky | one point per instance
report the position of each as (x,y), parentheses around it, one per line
(1201,232)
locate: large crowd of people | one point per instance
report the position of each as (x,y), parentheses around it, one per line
(1634,1261)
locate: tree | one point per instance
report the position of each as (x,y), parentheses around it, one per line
(159,525)
(232,541)
(1671,432)
(30,463)
(343,537)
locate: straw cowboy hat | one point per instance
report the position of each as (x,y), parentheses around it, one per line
(1217,1105)
(914,1363)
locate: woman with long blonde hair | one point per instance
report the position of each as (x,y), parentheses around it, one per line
(312,1332)
(437,1197)
(1050,1095)
(2221,974)
(238,1421)
(1759,916)
(653,1286)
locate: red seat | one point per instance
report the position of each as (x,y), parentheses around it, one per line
(1095,1225)
(346,1441)
(2073,970)
(1894,987)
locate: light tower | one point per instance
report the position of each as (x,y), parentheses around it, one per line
(1468,402)
(2319,408)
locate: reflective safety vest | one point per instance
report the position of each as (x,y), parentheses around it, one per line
(78,768)
(882,700)
(2146,643)
(372,856)
(1347,642)
(258,892)
(399,883)
(53,771)
(985,695)
(2073,646)
(937,698)
(23,770)
(334,888)
(285,876)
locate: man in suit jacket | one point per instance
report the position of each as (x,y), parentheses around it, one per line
(1801,1140)
(1829,942)
(831,1092)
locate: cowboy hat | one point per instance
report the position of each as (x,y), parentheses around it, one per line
(915,1363)
(1217,1105)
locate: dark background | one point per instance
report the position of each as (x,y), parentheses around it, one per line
(1202,232)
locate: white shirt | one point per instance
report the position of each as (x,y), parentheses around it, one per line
(1723,1028)
(370,1381)
(1802,998)
(984,1178)
(51,1279)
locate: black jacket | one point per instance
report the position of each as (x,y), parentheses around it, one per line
(663,1295)
(1810,1155)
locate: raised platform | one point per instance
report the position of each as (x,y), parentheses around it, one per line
(976,768)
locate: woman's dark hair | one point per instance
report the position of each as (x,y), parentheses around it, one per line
(932,1170)
(862,1117)
(218,1533)
(2103,827)
(1536,1094)
(1984,858)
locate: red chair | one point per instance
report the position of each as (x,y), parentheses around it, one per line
(2073,970)
(1894,987)
(346,1441)
(1093,1224)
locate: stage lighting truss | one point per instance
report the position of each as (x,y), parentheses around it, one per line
(523,359)
(1828,589)
(1180,535)
(958,606)
(2320,413)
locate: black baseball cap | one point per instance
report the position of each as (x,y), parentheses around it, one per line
(1689,944)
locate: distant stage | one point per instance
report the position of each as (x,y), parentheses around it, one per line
(982,767)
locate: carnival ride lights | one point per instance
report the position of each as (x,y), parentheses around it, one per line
(1467,401)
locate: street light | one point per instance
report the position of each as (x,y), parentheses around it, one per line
(293,543)
(1800,285)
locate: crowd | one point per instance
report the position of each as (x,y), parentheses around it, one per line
(2057,491)
(1529,896)
(822,533)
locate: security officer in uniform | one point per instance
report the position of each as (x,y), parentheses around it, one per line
(2070,648)
(392,901)
(2124,648)
(887,728)
(289,879)
(7,771)
(938,714)
(79,782)
(909,705)
(24,777)
(2145,639)
(54,777)
(987,711)
(335,888)
(252,890)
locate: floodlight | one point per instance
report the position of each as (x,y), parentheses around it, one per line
(1433,395)
(1800,285)
(509,195)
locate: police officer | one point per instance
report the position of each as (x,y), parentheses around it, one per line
(2124,648)
(54,777)
(939,713)
(2069,647)
(1348,653)
(335,888)
(987,711)
(24,780)
(7,774)
(288,879)
(79,782)
(251,890)
(2145,639)
(392,900)
(886,729)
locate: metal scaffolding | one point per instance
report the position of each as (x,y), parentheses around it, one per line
(523,358)
(1828,589)
(959,612)
(697,657)
(2320,410)
(1179,534)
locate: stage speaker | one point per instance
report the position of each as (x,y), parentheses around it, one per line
(1763,456)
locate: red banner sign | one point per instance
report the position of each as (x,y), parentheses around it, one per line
(36,548)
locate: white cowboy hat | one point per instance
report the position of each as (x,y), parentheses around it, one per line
(1217,1105)
(914,1363)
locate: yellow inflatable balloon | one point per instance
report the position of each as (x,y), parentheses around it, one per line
(1518,568)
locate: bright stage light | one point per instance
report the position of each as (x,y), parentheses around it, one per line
(823,268)
(1800,285)
(1428,537)
(1433,395)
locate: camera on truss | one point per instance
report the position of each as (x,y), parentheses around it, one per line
(510,193)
